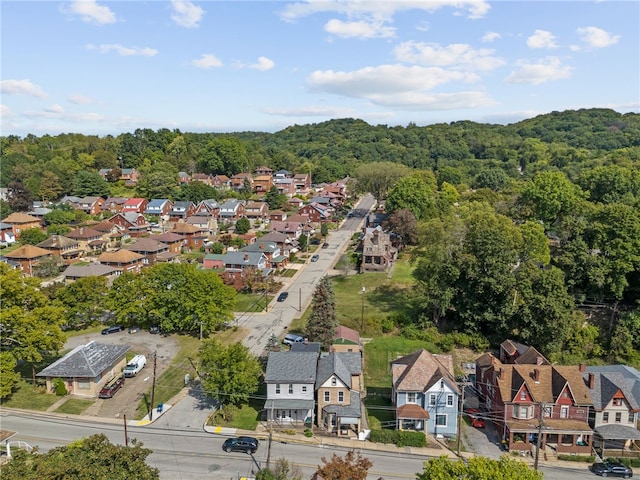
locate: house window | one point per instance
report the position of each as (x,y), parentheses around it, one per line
(291,389)
(449,400)
(411,397)
(327,396)
(441,420)
(564,412)
(631,417)
(547,411)
(618,417)
(523,395)
(605,417)
(277,389)
(334,381)
(304,389)
(432,399)
(617,402)
(340,397)
(84,385)
(524,412)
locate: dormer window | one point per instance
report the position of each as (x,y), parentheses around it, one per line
(617,402)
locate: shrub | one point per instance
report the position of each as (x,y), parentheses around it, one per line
(59,387)
(308,432)
(401,438)
(578,458)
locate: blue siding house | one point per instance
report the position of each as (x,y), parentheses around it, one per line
(425,393)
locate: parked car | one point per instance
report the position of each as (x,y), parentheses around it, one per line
(134,329)
(112,387)
(154,329)
(134,366)
(283,296)
(314,258)
(325,245)
(240,444)
(112,329)
(611,469)
(291,338)
(475,419)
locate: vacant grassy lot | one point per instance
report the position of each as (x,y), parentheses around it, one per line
(74,406)
(30,398)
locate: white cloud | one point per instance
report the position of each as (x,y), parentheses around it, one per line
(542,39)
(207,61)
(491,36)
(455,55)
(263,64)
(359,29)
(595,37)
(5,112)
(186,14)
(545,70)
(122,50)
(55,108)
(21,87)
(442,101)
(382,10)
(80,99)
(383,80)
(90,12)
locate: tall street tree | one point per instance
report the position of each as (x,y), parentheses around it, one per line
(478,468)
(353,466)
(229,373)
(322,322)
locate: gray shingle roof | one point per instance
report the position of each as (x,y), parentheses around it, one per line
(86,361)
(608,379)
(291,367)
(342,364)
(354,408)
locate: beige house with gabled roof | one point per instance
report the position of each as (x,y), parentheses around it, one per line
(28,256)
(62,247)
(20,222)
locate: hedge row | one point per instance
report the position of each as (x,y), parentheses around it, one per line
(401,438)
(578,458)
(629,462)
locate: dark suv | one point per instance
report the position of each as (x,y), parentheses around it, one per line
(112,387)
(241,444)
(611,469)
(112,329)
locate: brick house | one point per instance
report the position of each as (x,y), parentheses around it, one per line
(20,222)
(62,247)
(135,205)
(28,257)
(122,261)
(524,399)
(378,254)
(91,205)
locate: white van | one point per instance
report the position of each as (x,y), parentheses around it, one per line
(136,364)
(291,338)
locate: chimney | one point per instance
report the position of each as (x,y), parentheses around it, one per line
(582,367)
(246,257)
(536,375)
(592,381)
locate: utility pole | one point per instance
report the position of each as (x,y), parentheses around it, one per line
(153,386)
(460,407)
(126,437)
(539,439)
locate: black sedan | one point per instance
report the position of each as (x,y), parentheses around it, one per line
(240,444)
(611,469)
(112,329)
(283,296)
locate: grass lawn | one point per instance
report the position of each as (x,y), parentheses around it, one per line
(28,398)
(381,351)
(380,412)
(250,302)
(74,406)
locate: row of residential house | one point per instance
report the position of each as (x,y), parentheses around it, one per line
(260,181)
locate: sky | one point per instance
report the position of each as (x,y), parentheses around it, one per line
(110,67)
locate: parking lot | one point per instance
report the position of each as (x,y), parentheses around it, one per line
(126,400)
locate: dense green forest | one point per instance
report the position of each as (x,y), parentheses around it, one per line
(529,231)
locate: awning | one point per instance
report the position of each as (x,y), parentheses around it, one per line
(289,404)
(411,411)
(618,432)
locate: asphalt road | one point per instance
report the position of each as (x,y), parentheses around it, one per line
(301,287)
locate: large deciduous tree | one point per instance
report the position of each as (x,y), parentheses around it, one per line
(29,323)
(158,181)
(378,177)
(404,225)
(416,192)
(91,458)
(19,197)
(322,322)
(353,466)
(551,195)
(32,236)
(478,468)
(229,373)
(84,301)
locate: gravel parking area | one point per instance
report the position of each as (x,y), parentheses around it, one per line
(126,400)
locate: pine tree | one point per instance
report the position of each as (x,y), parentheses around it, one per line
(322,322)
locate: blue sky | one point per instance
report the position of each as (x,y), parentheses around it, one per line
(103,67)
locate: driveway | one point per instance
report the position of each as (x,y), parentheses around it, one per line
(126,400)
(485,441)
